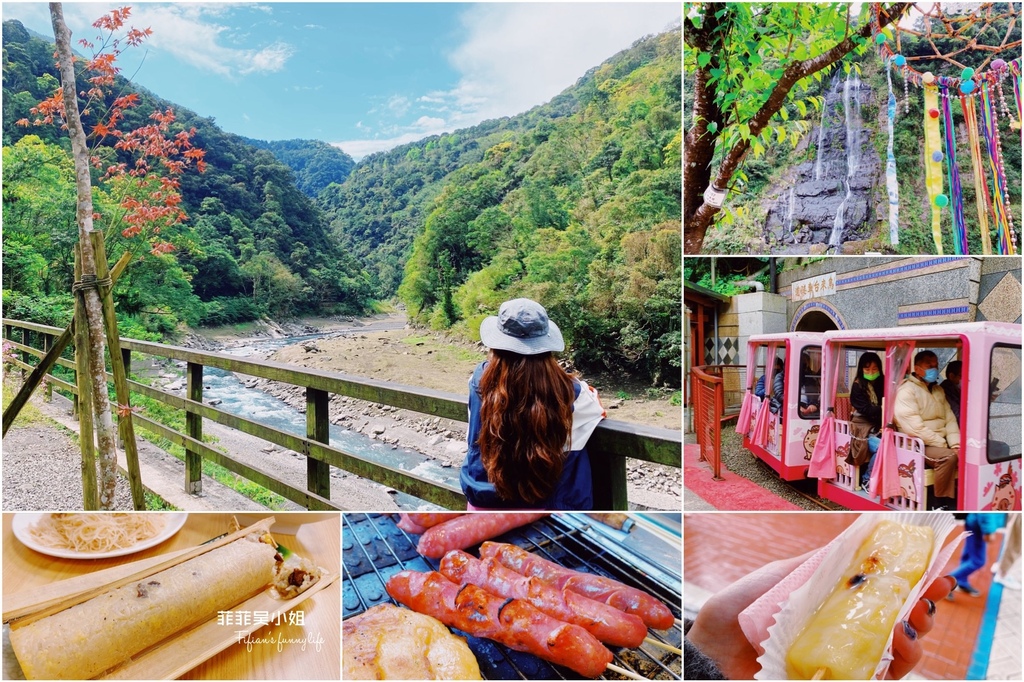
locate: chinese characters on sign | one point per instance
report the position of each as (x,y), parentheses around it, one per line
(812,287)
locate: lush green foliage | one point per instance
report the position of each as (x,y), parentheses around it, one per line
(251,229)
(315,164)
(580,213)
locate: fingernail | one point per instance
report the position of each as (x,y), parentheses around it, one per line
(931,607)
(909,630)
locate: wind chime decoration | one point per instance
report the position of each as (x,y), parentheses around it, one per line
(982,101)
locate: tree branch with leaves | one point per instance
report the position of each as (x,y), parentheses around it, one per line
(748,63)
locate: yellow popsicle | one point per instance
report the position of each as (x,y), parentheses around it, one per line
(846,636)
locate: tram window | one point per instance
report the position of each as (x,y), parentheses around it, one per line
(810,383)
(1004,407)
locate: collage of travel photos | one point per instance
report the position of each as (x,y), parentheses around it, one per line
(852,345)
(343,341)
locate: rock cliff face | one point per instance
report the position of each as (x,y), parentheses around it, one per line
(827,201)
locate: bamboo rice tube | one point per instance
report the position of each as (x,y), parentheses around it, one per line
(846,637)
(96,635)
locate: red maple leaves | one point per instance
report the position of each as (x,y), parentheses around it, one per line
(147,185)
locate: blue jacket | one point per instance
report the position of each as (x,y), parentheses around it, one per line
(574,489)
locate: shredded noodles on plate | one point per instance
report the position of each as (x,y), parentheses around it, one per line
(95,533)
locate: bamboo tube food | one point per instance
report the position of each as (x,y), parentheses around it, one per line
(91,637)
(846,637)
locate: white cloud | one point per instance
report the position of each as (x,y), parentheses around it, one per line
(516,56)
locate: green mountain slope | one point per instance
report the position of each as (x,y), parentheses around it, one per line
(315,164)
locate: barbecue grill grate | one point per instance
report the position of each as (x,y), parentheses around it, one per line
(374,548)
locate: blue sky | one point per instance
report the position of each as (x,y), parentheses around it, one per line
(364,76)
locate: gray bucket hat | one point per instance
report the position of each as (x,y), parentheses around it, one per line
(521,326)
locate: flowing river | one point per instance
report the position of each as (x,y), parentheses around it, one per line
(257,405)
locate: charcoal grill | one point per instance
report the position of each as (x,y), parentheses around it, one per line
(374,548)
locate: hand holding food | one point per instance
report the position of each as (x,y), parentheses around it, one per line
(512,622)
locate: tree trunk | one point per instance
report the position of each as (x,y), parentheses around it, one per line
(104,423)
(698,215)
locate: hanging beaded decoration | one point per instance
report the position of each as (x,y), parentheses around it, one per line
(974,88)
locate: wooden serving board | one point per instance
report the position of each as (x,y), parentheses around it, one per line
(176,655)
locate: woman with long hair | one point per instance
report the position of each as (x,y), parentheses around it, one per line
(866,393)
(529,421)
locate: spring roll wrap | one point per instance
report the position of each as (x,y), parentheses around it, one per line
(87,639)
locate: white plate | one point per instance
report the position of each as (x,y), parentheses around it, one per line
(22,520)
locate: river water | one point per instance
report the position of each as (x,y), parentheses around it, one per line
(268,410)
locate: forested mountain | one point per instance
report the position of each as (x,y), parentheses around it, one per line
(575,203)
(316,164)
(255,244)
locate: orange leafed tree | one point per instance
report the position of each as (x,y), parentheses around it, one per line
(146,187)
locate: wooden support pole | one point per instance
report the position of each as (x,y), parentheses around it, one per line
(47,346)
(50,359)
(318,473)
(609,478)
(86,437)
(194,429)
(126,431)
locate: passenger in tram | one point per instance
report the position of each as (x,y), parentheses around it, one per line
(810,388)
(778,386)
(921,411)
(951,386)
(866,394)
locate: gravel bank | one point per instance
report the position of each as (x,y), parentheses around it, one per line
(42,471)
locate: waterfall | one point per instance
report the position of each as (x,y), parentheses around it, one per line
(789,213)
(821,141)
(853,129)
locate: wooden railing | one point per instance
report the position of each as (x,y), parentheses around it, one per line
(609,447)
(708,410)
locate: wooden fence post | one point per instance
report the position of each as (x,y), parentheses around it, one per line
(318,473)
(194,429)
(86,436)
(125,429)
(609,476)
(48,391)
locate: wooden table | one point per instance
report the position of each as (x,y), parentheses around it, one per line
(25,569)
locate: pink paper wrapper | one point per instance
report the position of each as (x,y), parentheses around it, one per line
(773,622)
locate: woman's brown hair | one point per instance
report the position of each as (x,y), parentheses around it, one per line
(525,421)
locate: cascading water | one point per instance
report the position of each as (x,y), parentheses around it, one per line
(821,143)
(851,107)
(789,213)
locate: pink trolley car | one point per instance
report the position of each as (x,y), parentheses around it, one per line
(782,429)
(989,459)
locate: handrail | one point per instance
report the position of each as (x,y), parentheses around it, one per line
(709,400)
(609,447)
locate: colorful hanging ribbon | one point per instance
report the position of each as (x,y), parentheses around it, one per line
(956,201)
(968,102)
(988,129)
(891,183)
(933,168)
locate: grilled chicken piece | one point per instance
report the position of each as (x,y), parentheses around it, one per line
(391,643)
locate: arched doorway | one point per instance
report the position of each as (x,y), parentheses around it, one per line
(816,316)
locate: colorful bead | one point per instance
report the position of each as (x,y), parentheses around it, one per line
(967,73)
(941,201)
(937,156)
(928,77)
(934,113)
(880,39)
(899,60)
(967,87)
(998,65)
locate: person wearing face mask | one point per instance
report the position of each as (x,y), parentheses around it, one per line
(866,393)
(951,387)
(922,411)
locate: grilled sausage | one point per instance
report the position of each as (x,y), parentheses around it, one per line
(629,599)
(468,530)
(512,622)
(605,622)
(417,523)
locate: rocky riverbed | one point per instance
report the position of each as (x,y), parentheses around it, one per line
(385,348)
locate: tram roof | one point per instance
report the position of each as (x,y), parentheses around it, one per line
(1000,330)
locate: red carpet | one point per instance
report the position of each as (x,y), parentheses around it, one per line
(732,494)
